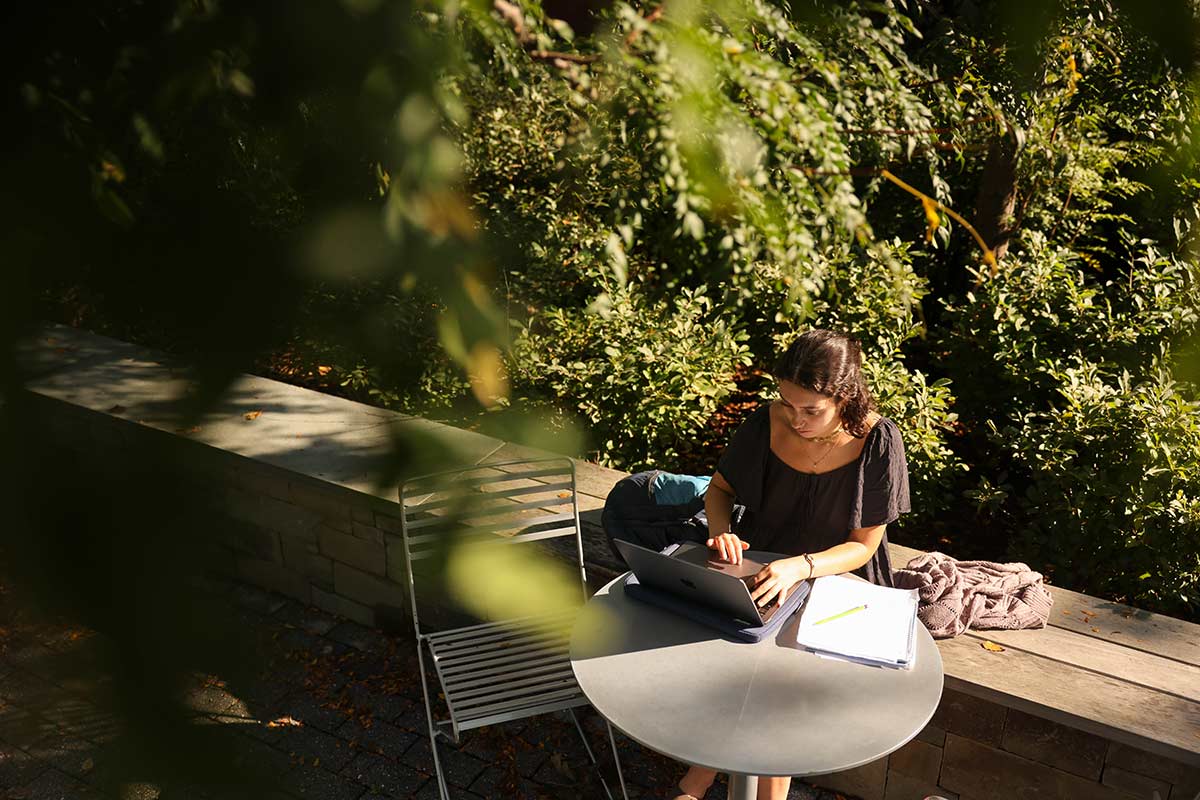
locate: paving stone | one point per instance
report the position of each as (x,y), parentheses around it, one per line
(430,792)
(382,706)
(360,637)
(29,689)
(23,728)
(330,752)
(216,701)
(54,785)
(460,768)
(28,654)
(101,726)
(380,738)
(18,767)
(313,711)
(261,696)
(307,618)
(385,776)
(414,719)
(76,757)
(315,782)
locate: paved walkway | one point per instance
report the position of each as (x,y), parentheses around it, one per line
(335,713)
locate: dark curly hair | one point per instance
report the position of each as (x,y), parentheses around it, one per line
(830,363)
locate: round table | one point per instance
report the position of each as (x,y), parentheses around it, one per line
(769,708)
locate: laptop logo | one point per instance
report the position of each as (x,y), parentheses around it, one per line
(687,583)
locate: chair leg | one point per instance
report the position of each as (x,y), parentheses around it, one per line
(612,743)
(592,756)
(443,789)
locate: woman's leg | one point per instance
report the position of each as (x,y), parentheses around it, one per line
(773,788)
(696,781)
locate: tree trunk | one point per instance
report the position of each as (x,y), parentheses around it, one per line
(997,196)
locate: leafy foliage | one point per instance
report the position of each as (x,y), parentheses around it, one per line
(616,224)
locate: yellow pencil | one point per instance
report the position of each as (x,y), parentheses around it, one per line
(845,613)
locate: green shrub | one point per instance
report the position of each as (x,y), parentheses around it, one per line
(1110,503)
(646,375)
(1085,452)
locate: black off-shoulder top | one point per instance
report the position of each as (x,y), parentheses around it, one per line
(793,512)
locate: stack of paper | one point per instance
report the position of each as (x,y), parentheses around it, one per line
(859,621)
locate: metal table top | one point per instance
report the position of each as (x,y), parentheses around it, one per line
(769,708)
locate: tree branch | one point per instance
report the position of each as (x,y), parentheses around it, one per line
(651,18)
(557,56)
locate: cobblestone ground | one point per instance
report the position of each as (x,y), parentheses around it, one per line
(336,714)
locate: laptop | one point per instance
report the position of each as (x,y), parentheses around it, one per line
(694,573)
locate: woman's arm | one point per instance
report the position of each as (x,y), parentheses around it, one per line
(718,507)
(779,576)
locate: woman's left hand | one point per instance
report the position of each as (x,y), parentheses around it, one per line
(777,579)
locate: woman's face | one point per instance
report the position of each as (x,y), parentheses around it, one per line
(808,413)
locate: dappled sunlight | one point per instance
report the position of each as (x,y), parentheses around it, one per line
(499,581)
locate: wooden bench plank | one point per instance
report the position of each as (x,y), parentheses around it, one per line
(1114,622)
(1103,657)
(1148,719)
(1132,627)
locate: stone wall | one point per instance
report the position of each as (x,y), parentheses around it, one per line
(974,749)
(318,542)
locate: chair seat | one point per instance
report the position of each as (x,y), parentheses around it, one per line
(501,671)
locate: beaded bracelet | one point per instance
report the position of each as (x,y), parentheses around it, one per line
(811,567)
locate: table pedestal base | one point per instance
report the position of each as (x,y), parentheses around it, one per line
(743,787)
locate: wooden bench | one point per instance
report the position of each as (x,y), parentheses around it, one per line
(1104,703)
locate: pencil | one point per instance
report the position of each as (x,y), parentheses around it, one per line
(845,613)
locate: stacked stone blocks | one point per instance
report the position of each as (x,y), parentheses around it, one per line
(974,749)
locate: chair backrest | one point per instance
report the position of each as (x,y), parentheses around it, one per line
(511,502)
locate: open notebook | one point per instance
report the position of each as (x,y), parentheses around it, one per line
(883,633)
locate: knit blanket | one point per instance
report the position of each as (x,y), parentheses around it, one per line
(955,595)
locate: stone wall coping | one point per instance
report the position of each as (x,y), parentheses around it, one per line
(1099,666)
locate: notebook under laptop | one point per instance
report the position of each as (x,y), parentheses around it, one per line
(693,573)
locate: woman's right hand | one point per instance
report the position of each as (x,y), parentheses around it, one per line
(728,546)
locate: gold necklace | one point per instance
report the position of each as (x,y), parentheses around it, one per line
(833,441)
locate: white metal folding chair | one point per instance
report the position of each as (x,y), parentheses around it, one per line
(500,669)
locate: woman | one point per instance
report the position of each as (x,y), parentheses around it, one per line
(821,476)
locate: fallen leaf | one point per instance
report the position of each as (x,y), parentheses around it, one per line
(564,494)
(117,409)
(249,415)
(324,370)
(1095,630)
(88,765)
(991,646)
(282,722)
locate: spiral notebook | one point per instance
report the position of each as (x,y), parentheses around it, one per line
(858,621)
